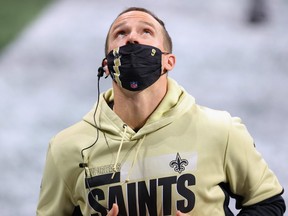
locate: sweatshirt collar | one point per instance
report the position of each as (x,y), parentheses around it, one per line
(174,104)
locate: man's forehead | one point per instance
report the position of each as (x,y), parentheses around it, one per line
(140,16)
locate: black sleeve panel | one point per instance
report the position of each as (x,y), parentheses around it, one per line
(274,206)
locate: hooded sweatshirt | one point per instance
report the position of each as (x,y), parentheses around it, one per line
(184,158)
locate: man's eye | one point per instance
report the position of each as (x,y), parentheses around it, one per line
(120,33)
(147,31)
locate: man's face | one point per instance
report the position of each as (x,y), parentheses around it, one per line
(135,27)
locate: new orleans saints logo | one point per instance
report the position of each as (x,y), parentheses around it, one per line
(178,164)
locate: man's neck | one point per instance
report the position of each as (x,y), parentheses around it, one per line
(134,108)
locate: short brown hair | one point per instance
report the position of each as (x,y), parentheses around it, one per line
(167,39)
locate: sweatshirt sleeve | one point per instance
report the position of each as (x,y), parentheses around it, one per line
(248,175)
(272,206)
(55,197)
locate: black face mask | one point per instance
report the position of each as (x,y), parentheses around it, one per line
(135,66)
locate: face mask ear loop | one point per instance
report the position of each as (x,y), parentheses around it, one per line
(165,72)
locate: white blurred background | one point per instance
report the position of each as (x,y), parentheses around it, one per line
(48,78)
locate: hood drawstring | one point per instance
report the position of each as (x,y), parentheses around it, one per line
(134,160)
(119,150)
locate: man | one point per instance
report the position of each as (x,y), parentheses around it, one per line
(147,148)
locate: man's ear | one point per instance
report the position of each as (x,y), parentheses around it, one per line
(105,67)
(169,61)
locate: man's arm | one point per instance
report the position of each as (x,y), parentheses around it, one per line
(256,187)
(55,197)
(274,206)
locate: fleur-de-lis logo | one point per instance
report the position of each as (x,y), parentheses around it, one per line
(178,164)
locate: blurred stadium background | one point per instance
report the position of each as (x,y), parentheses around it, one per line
(231,55)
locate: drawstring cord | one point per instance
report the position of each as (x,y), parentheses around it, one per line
(119,150)
(118,155)
(134,160)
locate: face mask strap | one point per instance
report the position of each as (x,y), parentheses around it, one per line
(165,72)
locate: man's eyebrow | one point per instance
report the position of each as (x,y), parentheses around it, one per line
(147,23)
(118,26)
(125,22)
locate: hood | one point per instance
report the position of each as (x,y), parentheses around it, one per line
(175,103)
